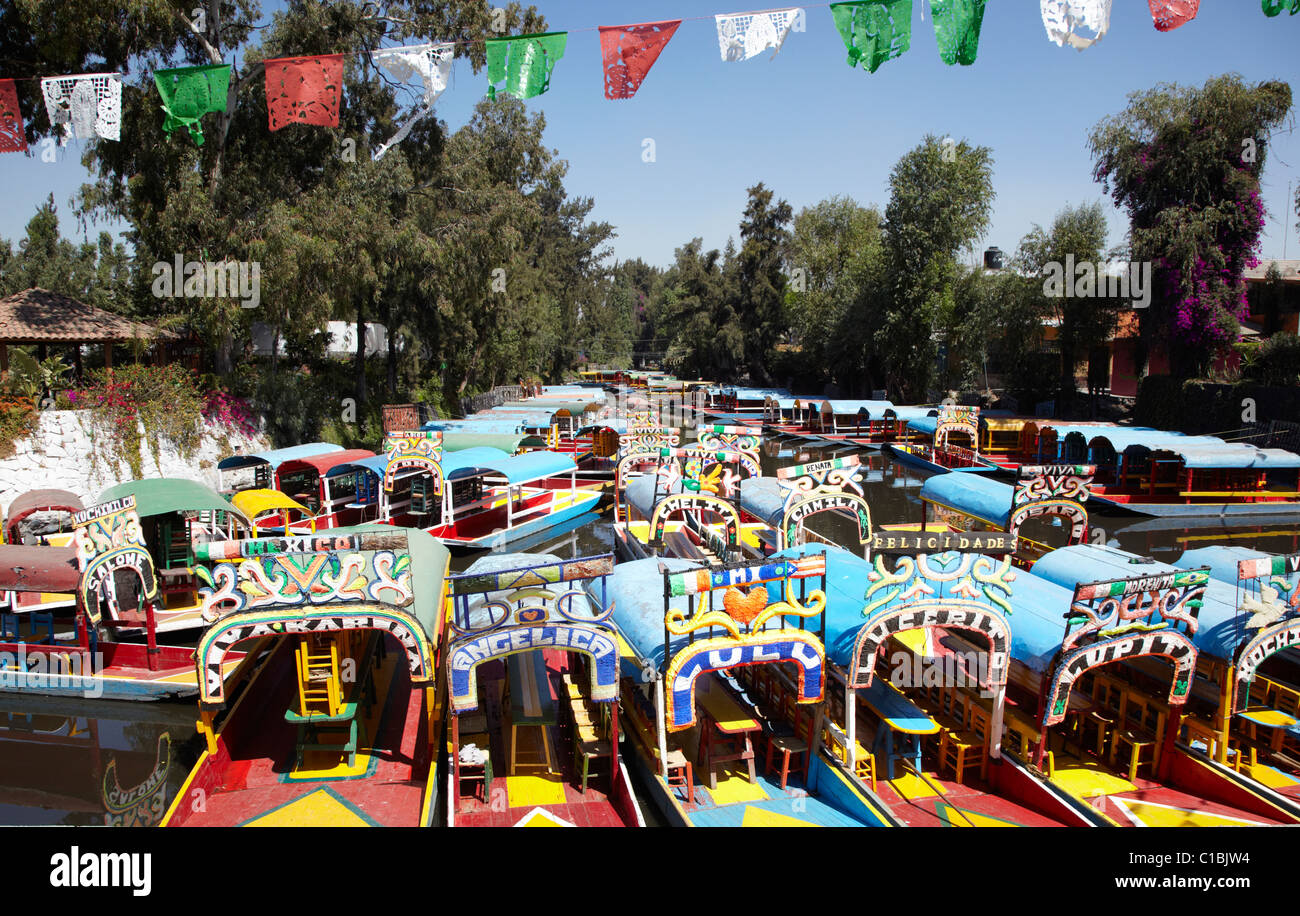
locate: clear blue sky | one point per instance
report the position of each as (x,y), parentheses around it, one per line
(809,126)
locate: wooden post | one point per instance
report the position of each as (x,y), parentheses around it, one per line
(76,362)
(4,359)
(204,727)
(613,745)
(108,354)
(151,636)
(453,803)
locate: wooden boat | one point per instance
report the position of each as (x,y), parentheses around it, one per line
(174,515)
(475,499)
(941,452)
(698,736)
(1154,472)
(1235,716)
(271,512)
(865,423)
(977,502)
(1103,697)
(112,576)
(340,723)
(533,674)
(731,404)
(57,507)
(687,507)
(336,487)
(915,719)
(257,469)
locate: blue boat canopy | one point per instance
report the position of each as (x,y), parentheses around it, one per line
(471,459)
(645,492)
(637,591)
(517,469)
(1219,628)
(276,457)
(764,498)
(911,413)
(975,495)
(926,424)
(1222,560)
(1037,621)
(852,408)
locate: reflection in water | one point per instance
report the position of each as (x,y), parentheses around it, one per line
(80,763)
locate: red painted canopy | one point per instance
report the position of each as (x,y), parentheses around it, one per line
(39,501)
(38,569)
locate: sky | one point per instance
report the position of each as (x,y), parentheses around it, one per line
(809,126)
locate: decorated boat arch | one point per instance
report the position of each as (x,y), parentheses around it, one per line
(1109,621)
(822,486)
(747,629)
(1052,490)
(497,613)
(1269,594)
(355,580)
(108,540)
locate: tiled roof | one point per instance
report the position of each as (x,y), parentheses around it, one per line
(1289,269)
(36,315)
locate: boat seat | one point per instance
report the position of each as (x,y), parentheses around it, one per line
(680,774)
(1138,741)
(587,746)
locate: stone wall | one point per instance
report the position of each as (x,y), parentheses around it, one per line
(58,455)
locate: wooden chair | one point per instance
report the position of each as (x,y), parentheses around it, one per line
(473,730)
(680,774)
(1107,698)
(1132,733)
(588,745)
(793,747)
(965,748)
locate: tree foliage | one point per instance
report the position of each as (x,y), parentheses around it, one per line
(1185,164)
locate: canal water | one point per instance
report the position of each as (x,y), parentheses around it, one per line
(86,762)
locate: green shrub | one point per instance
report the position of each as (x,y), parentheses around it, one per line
(1274,362)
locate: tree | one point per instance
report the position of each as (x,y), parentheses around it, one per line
(761,280)
(1086,318)
(941,196)
(1185,164)
(708,339)
(834,254)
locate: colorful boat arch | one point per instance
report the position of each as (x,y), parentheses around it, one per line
(729,438)
(954,418)
(1269,588)
(823,486)
(1128,618)
(227,631)
(413,449)
(695,463)
(972,592)
(687,501)
(1052,490)
(108,539)
(749,641)
(531,616)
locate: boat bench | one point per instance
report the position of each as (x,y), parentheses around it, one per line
(311,724)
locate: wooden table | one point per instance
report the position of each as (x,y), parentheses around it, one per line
(531,703)
(1274,719)
(897,714)
(723,715)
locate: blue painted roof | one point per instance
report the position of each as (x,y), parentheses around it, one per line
(872,408)
(1221,558)
(1037,621)
(975,495)
(276,457)
(646,491)
(912,413)
(637,590)
(925,425)
(377,464)
(1219,629)
(527,467)
(468,460)
(764,498)
(479,616)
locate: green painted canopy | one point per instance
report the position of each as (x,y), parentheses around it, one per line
(161,495)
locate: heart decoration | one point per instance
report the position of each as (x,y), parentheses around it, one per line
(744,608)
